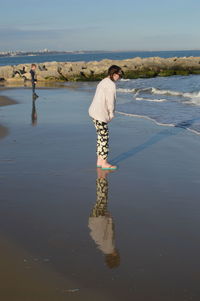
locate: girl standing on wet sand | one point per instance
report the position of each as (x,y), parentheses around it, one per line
(102,111)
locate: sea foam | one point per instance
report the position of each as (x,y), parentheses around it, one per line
(157,91)
(150,100)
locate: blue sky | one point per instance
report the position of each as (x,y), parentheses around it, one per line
(99,25)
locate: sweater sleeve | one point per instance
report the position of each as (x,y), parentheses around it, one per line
(110,100)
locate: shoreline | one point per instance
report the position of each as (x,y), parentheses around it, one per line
(96,70)
(170,125)
(5,101)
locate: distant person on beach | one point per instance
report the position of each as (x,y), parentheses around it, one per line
(33,79)
(102,111)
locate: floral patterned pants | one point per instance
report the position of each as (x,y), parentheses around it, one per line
(100,208)
(102,138)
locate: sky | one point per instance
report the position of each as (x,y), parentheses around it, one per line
(30,25)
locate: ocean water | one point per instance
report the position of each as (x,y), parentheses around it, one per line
(172,101)
(15,60)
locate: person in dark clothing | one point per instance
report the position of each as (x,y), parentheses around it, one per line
(33,79)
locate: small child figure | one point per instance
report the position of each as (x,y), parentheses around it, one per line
(33,79)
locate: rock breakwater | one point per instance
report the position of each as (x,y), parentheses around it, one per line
(94,71)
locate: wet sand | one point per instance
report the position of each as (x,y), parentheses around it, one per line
(5,101)
(71,232)
(3,131)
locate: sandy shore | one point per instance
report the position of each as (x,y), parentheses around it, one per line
(5,101)
(50,191)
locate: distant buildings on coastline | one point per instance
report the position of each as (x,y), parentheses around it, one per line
(19,53)
(44,51)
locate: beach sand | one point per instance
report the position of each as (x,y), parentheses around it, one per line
(50,191)
(5,101)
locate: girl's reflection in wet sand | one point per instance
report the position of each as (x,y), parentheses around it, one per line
(101,223)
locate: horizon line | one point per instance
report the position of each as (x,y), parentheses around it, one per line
(99,50)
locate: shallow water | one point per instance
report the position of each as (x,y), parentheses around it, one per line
(50,191)
(170,100)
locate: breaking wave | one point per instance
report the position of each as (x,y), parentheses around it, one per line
(157,91)
(173,101)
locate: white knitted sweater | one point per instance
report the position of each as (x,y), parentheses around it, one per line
(102,107)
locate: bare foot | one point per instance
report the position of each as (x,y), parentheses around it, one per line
(106,164)
(103,163)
